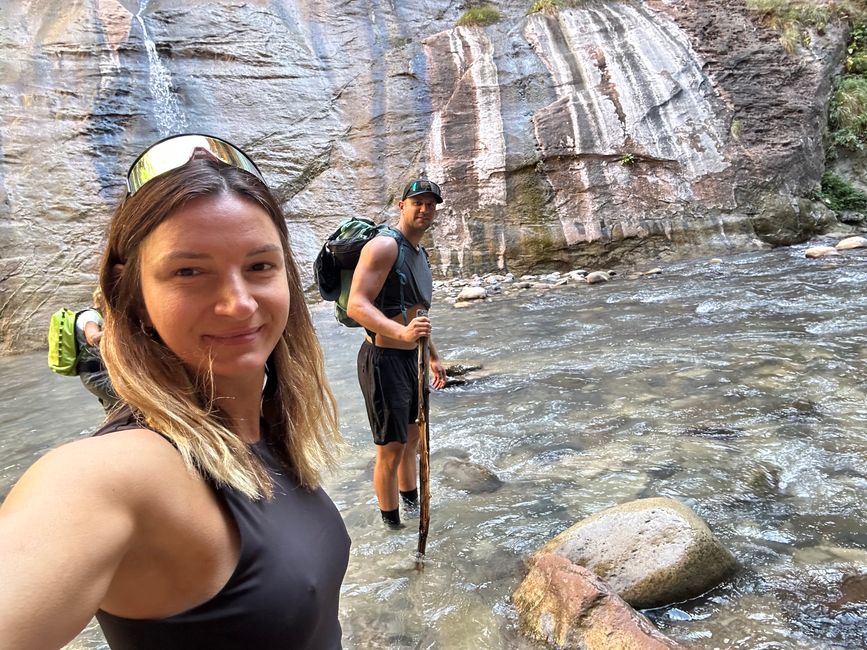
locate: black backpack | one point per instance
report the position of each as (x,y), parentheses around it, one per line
(338,258)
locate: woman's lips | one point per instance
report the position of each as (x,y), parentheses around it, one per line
(239,337)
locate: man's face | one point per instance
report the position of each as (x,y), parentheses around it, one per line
(418,212)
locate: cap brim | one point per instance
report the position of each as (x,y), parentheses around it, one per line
(436,196)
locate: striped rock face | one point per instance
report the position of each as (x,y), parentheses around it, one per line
(609,131)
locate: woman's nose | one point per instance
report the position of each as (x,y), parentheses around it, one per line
(235,299)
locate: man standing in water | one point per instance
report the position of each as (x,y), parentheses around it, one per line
(387,308)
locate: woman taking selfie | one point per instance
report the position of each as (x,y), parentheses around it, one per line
(194,518)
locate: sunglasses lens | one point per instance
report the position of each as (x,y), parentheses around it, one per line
(421,187)
(173,152)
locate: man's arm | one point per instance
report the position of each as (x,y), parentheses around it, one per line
(438,372)
(376,261)
(92,332)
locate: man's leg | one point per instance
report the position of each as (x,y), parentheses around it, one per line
(385,471)
(407,472)
(385,474)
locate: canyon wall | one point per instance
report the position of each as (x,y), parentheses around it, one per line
(610,133)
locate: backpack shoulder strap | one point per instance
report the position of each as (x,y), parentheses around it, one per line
(397,269)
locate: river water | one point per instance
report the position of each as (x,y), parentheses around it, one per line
(737,387)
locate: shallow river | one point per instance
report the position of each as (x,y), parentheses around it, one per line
(738,388)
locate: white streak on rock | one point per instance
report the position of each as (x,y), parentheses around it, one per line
(490,159)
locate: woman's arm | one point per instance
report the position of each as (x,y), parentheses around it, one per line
(64,528)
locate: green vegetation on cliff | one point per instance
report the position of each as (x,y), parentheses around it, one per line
(840,195)
(795,19)
(479,16)
(848,116)
(551,7)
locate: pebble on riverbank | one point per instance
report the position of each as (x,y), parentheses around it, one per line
(462,292)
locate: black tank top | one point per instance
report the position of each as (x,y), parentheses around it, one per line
(284,591)
(418,289)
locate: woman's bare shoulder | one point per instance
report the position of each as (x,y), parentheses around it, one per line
(87,500)
(110,465)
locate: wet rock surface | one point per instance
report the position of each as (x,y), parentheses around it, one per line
(653,552)
(568,606)
(462,474)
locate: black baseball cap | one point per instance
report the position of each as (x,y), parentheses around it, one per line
(422,186)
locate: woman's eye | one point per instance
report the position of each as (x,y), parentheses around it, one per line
(261,266)
(186,272)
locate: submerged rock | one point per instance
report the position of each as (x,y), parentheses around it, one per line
(853,590)
(568,606)
(469,476)
(720,433)
(653,552)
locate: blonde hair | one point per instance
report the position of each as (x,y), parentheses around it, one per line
(301,415)
(97,300)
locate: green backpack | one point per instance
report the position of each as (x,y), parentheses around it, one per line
(62,345)
(338,258)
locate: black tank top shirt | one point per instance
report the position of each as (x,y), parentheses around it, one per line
(285,590)
(418,289)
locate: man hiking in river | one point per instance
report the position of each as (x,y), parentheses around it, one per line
(387,308)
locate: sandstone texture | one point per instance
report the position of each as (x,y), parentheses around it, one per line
(652,552)
(568,606)
(602,134)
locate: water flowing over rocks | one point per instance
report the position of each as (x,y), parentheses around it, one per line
(568,606)
(472,477)
(653,552)
(607,133)
(461,373)
(846,244)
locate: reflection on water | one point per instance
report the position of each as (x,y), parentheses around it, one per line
(737,388)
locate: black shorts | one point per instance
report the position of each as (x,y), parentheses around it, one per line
(389,383)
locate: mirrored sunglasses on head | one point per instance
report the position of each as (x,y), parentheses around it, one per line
(177,150)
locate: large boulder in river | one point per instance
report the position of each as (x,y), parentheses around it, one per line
(568,606)
(653,552)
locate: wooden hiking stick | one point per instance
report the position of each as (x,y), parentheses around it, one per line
(424,449)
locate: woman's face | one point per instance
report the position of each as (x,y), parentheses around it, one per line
(214,285)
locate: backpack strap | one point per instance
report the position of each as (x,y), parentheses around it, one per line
(397,269)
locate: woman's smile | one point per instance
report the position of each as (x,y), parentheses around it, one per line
(239,337)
